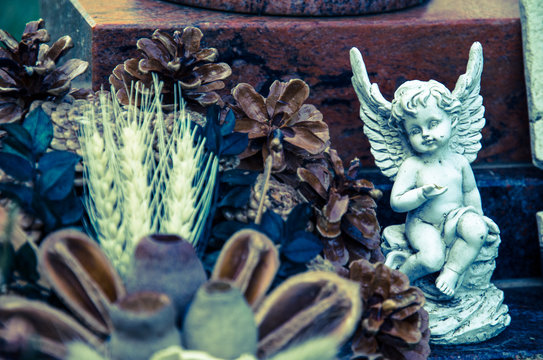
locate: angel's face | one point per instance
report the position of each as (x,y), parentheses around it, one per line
(430,129)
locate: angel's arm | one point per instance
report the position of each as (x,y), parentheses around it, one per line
(469,188)
(405,196)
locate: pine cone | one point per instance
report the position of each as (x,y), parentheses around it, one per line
(28,70)
(281,125)
(346,221)
(394,325)
(174,59)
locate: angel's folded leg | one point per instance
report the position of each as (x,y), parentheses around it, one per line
(426,240)
(472,231)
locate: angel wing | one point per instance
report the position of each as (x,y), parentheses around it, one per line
(388,145)
(466,139)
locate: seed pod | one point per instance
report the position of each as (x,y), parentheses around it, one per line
(143,322)
(52,329)
(220,322)
(82,276)
(307,305)
(250,260)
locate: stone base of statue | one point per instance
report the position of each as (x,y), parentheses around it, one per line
(475,313)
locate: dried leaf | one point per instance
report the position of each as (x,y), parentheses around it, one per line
(191,40)
(307,140)
(59,48)
(153,50)
(213,72)
(251,102)
(293,96)
(316,183)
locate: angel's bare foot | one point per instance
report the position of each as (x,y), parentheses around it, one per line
(446,281)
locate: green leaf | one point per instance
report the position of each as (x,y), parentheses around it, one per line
(20,193)
(57,174)
(41,207)
(239,177)
(304,247)
(39,126)
(7,253)
(16,166)
(212,129)
(225,229)
(229,123)
(26,263)
(272,225)
(234,144)
(68,210)
(237,197)
(18,138)
(298,218)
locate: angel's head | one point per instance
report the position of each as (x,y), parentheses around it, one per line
(426,112)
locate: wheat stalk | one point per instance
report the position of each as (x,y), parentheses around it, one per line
(130,194)
(103,195)
(190,175)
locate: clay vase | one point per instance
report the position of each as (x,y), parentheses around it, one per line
(166,264)
(143,323)
(220,322)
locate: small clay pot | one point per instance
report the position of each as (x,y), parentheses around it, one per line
(143,323)
(166,264)
(220,322)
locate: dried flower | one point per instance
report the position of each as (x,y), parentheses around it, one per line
(346,221)
(394,325)
(28,70)
(175,59)
(281,124)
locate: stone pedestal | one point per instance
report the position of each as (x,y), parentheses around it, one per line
(303,7)
(428,41)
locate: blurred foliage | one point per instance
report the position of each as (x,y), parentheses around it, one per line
(14,14)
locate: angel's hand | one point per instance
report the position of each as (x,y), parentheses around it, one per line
(433,190)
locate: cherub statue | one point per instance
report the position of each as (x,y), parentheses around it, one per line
(425,141)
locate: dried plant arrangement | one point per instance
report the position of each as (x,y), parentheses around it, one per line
(225,230)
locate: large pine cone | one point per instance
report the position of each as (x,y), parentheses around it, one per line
(394,325)
(28,70)
(175,59)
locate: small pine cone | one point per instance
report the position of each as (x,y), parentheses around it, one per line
(281,198)
(394,324)
(176,59)
(30,70)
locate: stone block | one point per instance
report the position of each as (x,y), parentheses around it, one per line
(531,13)
(429,41)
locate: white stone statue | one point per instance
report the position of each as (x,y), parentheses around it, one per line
(424,140)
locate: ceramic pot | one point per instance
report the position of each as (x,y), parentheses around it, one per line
(143,323)
(220,322)
(166,264)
